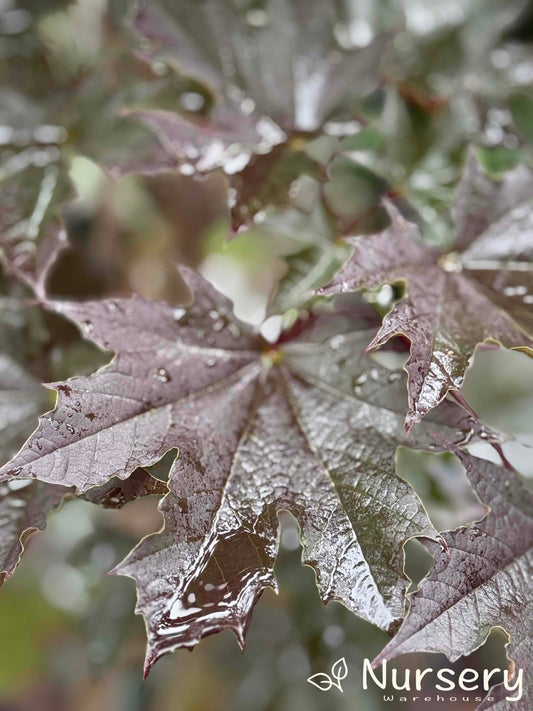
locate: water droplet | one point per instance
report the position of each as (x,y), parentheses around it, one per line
(162,375)
(187,169)
(515,291)
(178,314)
(336,342)
(19,484)
(236,161)
(192,101)
(358,381)
(247,106)
(210,362)
(394,376)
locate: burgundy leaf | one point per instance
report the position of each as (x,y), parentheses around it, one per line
(480,201)
(117,493)
(452,302)
(25,505)
(302,427)
(31,232)
(273,80)
(482,580)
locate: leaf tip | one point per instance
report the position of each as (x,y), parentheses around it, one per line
(412,418)
(240,632)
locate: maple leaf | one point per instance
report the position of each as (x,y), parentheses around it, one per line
(303,427)
(453,301)
(482,580)
(31,232)
(278,74)
(480,200)
(25,505)
(34,185)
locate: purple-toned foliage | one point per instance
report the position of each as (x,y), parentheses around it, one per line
(267,118)
(304,427)
(453,302)
(481,579)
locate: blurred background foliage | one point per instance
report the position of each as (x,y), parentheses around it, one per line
(455,72)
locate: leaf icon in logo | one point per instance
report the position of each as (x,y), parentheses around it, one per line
(339,671)
(321,680)
(324,682)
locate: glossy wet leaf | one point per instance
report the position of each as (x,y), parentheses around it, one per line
(25,505)
(275,73)
(481,581)
(33,188)
(454,301)
(305,427)
(480,200)
(271,181)
(117,493)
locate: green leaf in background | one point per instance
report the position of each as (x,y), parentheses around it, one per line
(521,107)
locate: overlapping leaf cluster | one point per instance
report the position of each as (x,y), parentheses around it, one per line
(292,103)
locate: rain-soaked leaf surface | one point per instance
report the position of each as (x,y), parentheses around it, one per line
(454,301)
(34,186)
(287,121)
(277,74)
(25,505)
(480,201)
(482,580)
(304,427)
